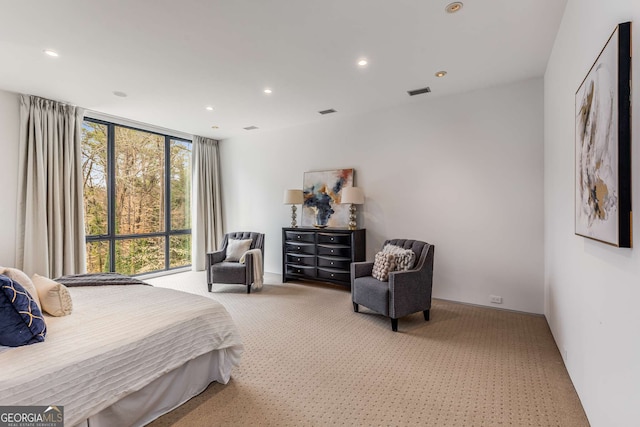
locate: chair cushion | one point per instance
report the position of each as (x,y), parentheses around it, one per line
(383,263)
(237,248)
(372,293)
(228,272)
(404,258)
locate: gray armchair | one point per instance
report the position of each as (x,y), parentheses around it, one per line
(221,271)
(406,292)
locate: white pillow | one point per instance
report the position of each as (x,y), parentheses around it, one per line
(237,248)
(383,264)
(54,296)
(405,258)
(21,277)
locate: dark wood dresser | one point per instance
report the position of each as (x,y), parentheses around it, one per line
(322,254)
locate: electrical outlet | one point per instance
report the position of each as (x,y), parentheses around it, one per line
(496,299)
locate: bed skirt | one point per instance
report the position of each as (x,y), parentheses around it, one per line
(167,392)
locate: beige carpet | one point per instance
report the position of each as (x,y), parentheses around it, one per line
(311,361)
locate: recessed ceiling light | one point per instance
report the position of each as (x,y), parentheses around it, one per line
(120,94)
(50,52)
(215,127)
(441,73)
(363,62)
(208,108)
(267,91)
(454,7)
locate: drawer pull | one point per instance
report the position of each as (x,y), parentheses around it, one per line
(298,259)
(298,236)
(298,247)
(331,262)
(332,239)
(331,250)
(332,274)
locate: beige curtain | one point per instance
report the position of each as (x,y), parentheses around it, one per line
(206,230)
(50,235)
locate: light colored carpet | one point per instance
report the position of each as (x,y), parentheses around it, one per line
(311,361)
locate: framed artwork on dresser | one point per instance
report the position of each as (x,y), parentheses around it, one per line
(603,145)
(322,190)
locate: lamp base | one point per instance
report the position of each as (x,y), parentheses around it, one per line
(294,224)
(352,217)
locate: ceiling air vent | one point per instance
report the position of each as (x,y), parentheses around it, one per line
(329,111)
(419,91)
(251,128)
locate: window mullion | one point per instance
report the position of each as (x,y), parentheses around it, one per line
(111,190)
(167,200)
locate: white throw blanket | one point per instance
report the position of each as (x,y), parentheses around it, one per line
(258,274)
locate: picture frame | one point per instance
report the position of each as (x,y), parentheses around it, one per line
(603,145)
(322,191)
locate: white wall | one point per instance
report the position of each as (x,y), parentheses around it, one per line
(463,172)
(9,144)
(591,290)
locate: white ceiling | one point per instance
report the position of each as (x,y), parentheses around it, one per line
(174,57)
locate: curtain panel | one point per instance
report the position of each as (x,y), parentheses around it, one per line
(50,238)
(206,231)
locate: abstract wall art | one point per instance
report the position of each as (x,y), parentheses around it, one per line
(603,145)
(322,190)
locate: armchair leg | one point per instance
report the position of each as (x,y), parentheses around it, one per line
(426,315)
(249,288)
(209,284)
(355,307)
(394,325)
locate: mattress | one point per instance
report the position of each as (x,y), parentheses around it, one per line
(117,340)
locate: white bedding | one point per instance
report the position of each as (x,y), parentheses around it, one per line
(117,340)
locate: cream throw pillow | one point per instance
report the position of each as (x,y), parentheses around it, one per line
(383,264)
(54,296)
(21,277)
(237,248)
(405,258)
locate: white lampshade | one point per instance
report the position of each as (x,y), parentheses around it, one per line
(293,197)
(352,195)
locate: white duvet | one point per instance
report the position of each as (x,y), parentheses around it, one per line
(117,340)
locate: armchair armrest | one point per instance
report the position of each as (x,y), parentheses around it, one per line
(361,269)
(410,291)
(248,261)
(214,258)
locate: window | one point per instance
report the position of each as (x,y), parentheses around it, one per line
(137,199)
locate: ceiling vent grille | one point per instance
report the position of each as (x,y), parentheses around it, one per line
(329,111)
(251,128)
(419,91)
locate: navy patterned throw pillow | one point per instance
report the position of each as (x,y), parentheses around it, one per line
(21,320)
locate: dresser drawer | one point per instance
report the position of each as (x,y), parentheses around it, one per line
(334,250)
(300,236)
(301,248)
(299,259)
(334,262)
(301,271)
(335,238)
(331,274)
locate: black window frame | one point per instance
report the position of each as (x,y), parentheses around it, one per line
(110,236)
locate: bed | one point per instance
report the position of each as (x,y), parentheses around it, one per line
(125,356)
